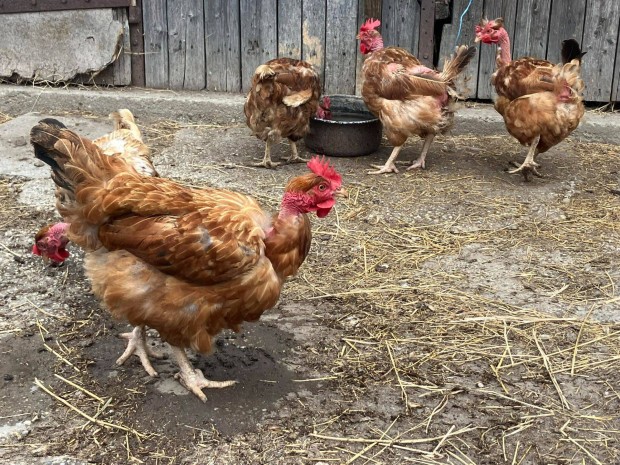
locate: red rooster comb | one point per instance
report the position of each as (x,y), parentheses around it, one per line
(370,25)
(320,167)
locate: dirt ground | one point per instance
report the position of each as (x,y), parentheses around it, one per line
(456,315)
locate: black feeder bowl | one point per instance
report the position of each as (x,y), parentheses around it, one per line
(352,130)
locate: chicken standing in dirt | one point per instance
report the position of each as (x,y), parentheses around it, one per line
(541,102)
(187,262)
(409,98)
(284,96)
(125,142)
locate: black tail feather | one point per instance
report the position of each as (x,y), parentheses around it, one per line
(43,137)
(571,51)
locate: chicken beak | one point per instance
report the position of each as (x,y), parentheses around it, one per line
(342,192)
(357,37)
(476,40)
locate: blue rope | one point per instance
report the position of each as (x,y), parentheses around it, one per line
(458,35)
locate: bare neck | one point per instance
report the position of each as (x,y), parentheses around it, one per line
(503,56)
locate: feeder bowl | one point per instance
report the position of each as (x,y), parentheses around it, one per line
(352,130)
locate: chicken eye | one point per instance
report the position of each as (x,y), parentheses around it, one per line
(322,187)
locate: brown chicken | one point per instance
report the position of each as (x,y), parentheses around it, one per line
(125,141)
(541,102)
(409,98)
(187,262)
(284,95)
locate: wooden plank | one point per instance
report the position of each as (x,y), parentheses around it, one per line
(155,43)
(136,35)
(366,9)
(400,23)
(289,28)
(259,41)
(313,35)
(531,29)
(600,34)
(223,46)
(615,93)
(186,45)
(494,9)
(340,47)
(426,35)
(467,82)
(566,22)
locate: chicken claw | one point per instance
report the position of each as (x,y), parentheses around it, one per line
(266,164)
(295,158)
(193,379)
(526,168)
(387,168)
(136,345)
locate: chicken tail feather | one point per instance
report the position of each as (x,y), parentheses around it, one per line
(571,51)
(455,65)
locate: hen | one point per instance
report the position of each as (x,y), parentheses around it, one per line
(125,142)
(284,95)
(409,98)
(187,262)
(541,102)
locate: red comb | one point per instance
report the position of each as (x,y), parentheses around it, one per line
(370,25)
(320,167)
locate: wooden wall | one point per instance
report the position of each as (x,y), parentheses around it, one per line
(217,44)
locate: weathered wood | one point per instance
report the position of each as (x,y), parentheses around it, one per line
(426,36)
(531,29)
(600,34)
(313,35)
(366,9)
(136,36)
(340,46)
(289,28)
(186,45)
(259,41)
(400,24)
(155,43)
(566,23)
(467,82)
(615,92)
(494,9)
(222,43)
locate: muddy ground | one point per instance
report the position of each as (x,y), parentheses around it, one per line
(456,315)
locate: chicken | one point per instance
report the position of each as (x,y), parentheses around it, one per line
(125,142)
(284,95)
(409,98)
(541,102)
(187,262)
(324,109)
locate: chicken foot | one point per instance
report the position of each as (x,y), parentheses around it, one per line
(295,158)
(389,166)
(529,165)
(193,379)
(267,163)
(136,345)
(420,162)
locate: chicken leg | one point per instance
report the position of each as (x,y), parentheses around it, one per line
(529,165)
(420,162)
(267,163)
(193,379)
(136,345)
(295,158)
(389,166)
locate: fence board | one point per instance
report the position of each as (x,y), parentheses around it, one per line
(289,28)
(366,9)
(566,23)
(259,41)
(313,35)
(155,22)
(400,24)
(467,82)
(530,32)
(222,45)
(494,9)
(615,92)
(186,45)
(600,33)
(340,46)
